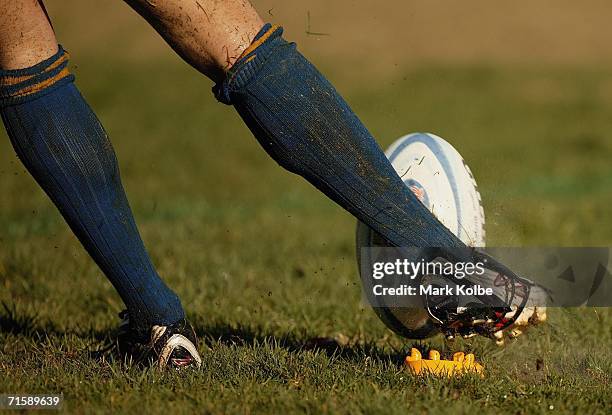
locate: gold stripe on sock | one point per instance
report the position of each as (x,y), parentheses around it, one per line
(258,42)
(58,62)
(14,80)
(32,89)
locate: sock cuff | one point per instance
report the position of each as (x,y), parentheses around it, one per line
(250,61)
(21,85)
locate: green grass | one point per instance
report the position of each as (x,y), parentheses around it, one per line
(263,263)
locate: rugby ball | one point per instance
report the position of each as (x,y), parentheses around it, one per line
(439,177)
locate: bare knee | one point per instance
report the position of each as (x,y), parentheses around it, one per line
(209,34)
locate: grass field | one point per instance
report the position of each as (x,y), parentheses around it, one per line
(264,264)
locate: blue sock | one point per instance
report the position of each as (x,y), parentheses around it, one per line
(306,126)
(63,145)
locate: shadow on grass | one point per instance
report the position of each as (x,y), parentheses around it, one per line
(28,325)
(254,337)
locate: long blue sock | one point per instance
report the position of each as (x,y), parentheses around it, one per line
(306,126)
(63,145)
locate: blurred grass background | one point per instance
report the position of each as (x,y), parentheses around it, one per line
(263,262)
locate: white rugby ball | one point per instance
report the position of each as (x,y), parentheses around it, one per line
(439,177)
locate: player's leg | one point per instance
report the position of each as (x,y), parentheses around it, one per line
(63,145)
(297,116)
(295,113)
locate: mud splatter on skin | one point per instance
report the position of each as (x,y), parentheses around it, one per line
(203,11)
(26,35)
(229,25)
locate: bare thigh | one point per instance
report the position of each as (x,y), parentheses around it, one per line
(26,35)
